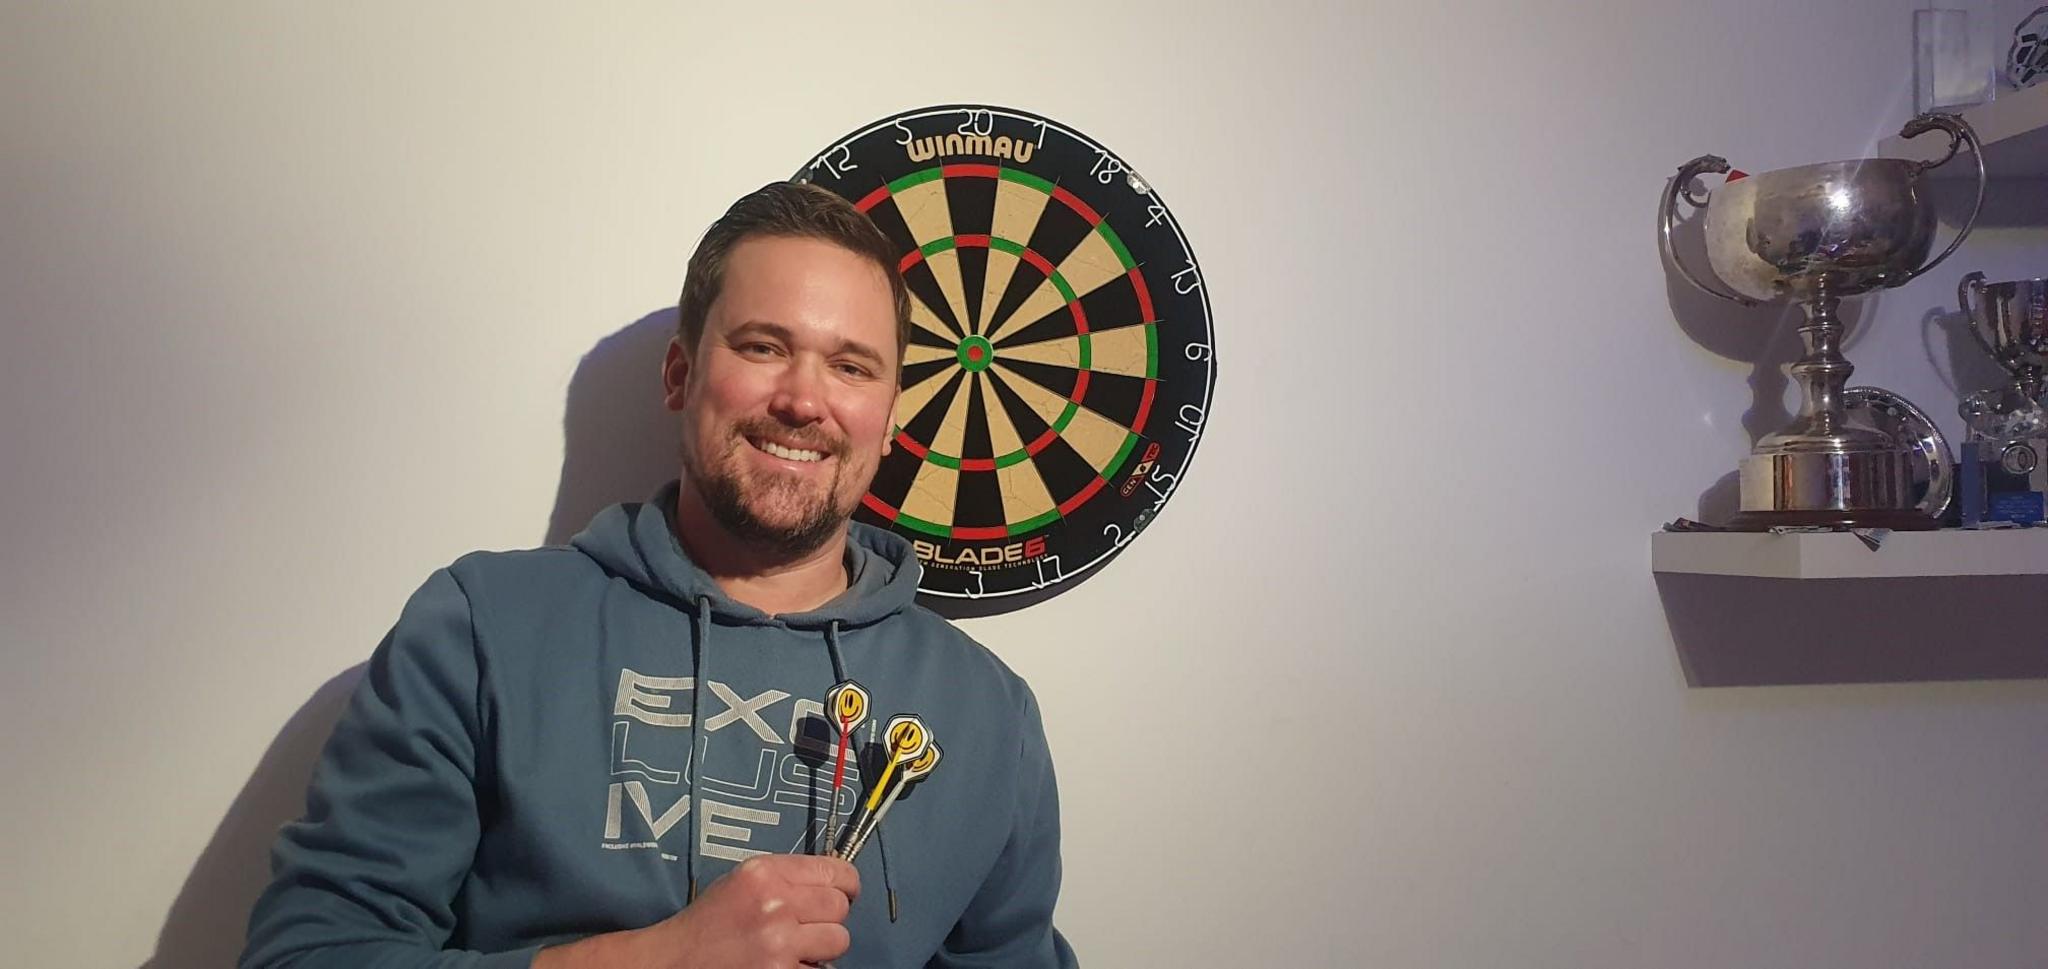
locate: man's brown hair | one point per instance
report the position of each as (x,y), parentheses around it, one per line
(789,210)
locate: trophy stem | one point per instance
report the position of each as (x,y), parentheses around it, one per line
(1821,469)
(1823,372)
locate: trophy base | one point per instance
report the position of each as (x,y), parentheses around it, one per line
(1834,489)
(1896,519)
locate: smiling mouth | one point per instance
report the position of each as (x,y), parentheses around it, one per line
(799,455)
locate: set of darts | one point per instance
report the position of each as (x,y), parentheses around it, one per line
(912,756)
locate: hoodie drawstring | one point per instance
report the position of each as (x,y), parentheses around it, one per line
(882,844)
(700,682)
(839,676)
(832,646)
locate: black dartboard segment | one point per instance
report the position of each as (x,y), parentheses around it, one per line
(1061,361)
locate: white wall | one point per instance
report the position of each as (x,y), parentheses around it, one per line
(294,295)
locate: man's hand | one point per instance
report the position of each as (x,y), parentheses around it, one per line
(772,912)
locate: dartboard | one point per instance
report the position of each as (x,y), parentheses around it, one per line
(1061,356)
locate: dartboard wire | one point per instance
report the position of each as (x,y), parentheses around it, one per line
(1127,350)
(1057,410)
(1160,216)
(925,318)
(1030,306)
(1027,500)
(1046,444)
(917,353)
(1018,209)
(943,446)
(1084,346)
(1068,296)
(1046,125)
(1065,284)
(945,266)
(911,401)
(928,507)
(928,215)
(1025,495)
(1065,437)
(980,512)
(1057,291)
(971,201)
(1097,257)
(1017,234)
(1142,293)
(1102,440)
(937,485)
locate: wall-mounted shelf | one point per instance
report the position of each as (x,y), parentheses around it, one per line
(1758,609)
(1838,555)
(2013,127)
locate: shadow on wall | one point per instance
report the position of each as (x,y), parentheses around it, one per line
(210,917)
(619,447)
(619,442)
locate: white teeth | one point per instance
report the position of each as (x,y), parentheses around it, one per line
(790,454)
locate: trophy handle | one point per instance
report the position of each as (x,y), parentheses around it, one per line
(1959,132)
(1974,283)
(1681,188)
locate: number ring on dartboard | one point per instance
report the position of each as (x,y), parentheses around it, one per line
(1061,357)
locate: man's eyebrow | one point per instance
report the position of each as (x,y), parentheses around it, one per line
(862,350)
(786,335)
(762,327)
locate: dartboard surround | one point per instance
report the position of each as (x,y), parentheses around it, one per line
(1060,362)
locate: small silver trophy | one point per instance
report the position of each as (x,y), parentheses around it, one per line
(1816,234)
(2010,321)
(2008,427)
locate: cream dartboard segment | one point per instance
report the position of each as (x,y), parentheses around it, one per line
(1061,356)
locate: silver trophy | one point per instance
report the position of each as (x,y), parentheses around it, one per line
(2008,426)
(1816,234)
(2010,321)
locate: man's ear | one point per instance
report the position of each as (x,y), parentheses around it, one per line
(675,374)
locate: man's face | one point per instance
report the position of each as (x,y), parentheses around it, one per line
(787,398)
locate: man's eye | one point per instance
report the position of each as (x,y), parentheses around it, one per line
(854,370)
(756,349)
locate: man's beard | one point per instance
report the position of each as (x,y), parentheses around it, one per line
(732,503)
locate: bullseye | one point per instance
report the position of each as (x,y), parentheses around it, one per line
(975,354)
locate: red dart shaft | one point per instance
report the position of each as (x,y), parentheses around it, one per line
(838,780)
(839,768)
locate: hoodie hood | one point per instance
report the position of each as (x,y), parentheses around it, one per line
(637,542)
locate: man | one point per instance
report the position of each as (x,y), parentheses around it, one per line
(616,755)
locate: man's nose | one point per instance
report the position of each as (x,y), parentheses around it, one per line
(799,392)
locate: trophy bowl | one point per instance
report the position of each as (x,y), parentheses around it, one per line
(1859,225)
(1814,235)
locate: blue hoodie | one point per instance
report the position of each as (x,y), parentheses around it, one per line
(515,769)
